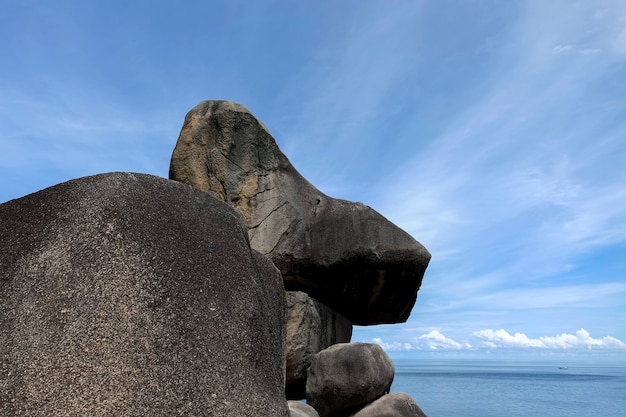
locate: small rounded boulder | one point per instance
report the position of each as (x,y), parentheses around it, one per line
(347,376)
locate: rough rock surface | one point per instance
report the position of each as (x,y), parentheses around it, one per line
(310,328)
(299,409)
(347,376)
(131,295)
(391,405)
(344,254)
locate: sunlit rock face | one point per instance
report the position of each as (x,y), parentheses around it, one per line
(131,295)
(397,404)
(344,254)
(300,409)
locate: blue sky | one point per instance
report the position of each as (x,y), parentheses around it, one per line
(492,131)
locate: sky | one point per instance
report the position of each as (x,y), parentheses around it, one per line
(494,132)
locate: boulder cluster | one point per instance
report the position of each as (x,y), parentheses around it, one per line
(229,289)
(342,263)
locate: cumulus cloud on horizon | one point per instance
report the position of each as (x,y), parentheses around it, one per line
(581,340)
(433,340)
(493,339)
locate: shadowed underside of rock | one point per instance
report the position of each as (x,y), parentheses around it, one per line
(128,294)
(344,254)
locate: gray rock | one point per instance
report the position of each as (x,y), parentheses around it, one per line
(344,254)
(131,295)
(311,327)
(299,409)
(346,376)
(391,405)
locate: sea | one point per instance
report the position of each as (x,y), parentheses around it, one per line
(513,388)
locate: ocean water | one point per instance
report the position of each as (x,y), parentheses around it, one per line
(506,388)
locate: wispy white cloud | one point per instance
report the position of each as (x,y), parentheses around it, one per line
(561,49)
(558,296)
(516,184)
(589,51)
(339,105)
(526,182)
(47,140)
(566,49)
(620,42)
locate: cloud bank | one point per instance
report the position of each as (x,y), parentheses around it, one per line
(581,340)
(434,340)
(502,339)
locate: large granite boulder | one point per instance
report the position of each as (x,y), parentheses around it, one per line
(344,254)
(391,405)
(131,295)
(347,376)
(310,327)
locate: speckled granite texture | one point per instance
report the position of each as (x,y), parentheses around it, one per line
(131,295)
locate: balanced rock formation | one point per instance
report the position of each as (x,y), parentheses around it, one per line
(344,254)
(310,327)
(347,376)
(391,405)
(131,295)
(299,409)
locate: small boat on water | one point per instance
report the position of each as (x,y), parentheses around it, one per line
(563,367)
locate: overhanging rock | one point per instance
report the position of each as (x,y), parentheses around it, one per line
(343,254)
